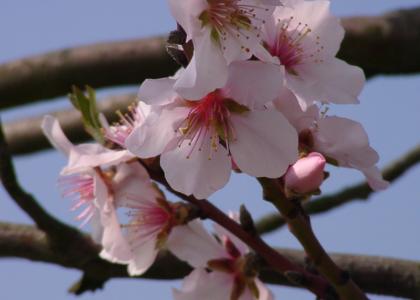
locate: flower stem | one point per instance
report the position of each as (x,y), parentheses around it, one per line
(300,226)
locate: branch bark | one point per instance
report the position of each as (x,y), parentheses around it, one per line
(360,191)
(300,226)
(100,65)
(387,44)
(378,275)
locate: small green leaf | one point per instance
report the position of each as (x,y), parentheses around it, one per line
(86,104)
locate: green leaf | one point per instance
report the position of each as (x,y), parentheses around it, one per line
(85,102)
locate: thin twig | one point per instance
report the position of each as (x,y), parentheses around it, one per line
(360,191)
(299,224)
(274,259)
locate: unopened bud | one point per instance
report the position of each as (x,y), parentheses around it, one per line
(306,175)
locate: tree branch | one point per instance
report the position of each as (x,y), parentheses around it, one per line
(360,191)
(387,44)
(100,65)
(300,226)
(274,259)
(378,275)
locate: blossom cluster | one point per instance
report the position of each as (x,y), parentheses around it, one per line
(250,100)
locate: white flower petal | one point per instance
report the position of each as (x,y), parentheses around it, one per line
(202,173)
(157,91)
(131,181)
(88,156)
(318,16)
(151,140)
(337,81)
(55,134)
(254,83)
(193,244)
(186,13)
(346,141)
(205,286)
(265,145)
(206,71)
(115,247)
(289,106)
(374,179)
(144,256)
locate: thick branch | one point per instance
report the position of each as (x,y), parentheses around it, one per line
(101,65)
(387,44)
(377,275)
(359,191)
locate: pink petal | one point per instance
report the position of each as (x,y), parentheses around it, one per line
(115,247)
(193,244)
(265,143)
(144,256)
(205,286)
(151,140)
(157,91)
(202,173)
(55,134)
(206,71)
(374,179)
(254,83)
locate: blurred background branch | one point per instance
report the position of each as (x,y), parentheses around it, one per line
(402,277)
(387,44)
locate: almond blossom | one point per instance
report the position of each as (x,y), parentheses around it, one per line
(198,138)
(104,180)
(221,270)
(341,140)
(118,132)
(79,178)
(151,219)
(222,31)
(304,37)
(306,175)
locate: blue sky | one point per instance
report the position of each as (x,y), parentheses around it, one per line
(389,111)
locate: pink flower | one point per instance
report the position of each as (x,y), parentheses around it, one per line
(305,39)
(118,133)
(94,187)
(306,175)
(150,220)
(226,260)
(222,31)
(339,139)
(79,178)
(197,137)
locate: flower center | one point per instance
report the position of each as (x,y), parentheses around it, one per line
(149,219)
(288,45)
(233,18)
(80,188)
(209,119)
(119,131)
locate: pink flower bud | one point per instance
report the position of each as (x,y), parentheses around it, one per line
(306,175)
